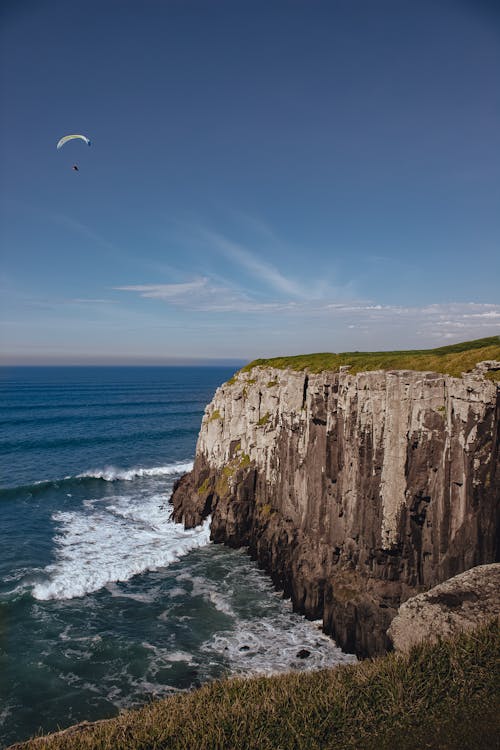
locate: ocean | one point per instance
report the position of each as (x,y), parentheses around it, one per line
(105,602)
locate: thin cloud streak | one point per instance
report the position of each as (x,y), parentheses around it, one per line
(61,220)
(81,229)
(202,295)
(265,272)
(243,258)
(166,291)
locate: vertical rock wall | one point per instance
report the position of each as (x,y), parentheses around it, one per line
(353,491)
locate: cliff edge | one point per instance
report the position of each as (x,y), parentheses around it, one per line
(355,491)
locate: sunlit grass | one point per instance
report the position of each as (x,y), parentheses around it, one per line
(451,360)
(439,696)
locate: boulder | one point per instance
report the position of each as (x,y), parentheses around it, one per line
(460,603)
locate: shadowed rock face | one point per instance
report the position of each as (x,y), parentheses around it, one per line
(355,492)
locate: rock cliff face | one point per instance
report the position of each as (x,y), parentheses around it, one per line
(354,491)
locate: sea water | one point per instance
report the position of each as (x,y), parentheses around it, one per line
(105,602)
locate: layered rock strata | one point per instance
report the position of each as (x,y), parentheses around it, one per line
(355,492)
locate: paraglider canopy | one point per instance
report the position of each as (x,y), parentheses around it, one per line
(67,138)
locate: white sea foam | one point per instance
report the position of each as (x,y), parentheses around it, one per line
(271,645)
(262,634)
(220,600)
(4,714)
(175,592)
(113,474)
(112,540)
(146,597)
(176,656)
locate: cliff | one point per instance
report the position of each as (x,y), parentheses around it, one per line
(355,491)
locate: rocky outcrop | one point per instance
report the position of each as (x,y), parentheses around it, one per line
(354,491)
(461,603)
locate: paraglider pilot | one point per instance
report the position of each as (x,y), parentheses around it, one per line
(67,138)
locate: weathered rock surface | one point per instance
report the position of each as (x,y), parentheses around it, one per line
(461,603)
(354,491)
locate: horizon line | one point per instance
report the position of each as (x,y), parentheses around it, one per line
(180,362)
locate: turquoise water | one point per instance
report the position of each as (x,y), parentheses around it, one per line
(104,601)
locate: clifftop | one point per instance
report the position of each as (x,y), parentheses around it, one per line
(449,360)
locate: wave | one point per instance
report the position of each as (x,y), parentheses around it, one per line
(105,543)
(112,474)
(106,474)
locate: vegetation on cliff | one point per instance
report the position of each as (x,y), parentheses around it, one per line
(450,360)
(442,696)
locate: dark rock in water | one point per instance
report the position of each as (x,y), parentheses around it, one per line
(303,654)
(244,648)
(355,492)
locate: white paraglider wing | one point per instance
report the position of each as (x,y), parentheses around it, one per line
(67,138)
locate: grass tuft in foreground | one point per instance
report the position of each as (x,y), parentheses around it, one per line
(450,360)
(444,696)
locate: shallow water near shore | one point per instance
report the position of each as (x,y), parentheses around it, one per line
(105,602)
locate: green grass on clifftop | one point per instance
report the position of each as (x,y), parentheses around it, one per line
(444,696)
(450,360)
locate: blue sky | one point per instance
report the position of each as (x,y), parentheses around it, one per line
(264,178)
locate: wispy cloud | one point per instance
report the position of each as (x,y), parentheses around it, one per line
(256,260)
(173,292)
(89,301)
(436,321)
(82,229)
(55,217)
(203,295)
(265,272)
(255,287)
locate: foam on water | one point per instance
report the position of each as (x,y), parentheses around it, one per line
(262,634)
(271,645)
(146,597)
(112,540)
(267,643)
(107,474)
(113,474)
(90,456)
(221,602)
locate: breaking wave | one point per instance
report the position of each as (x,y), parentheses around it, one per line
(112,474)
(110,541)
(106,474)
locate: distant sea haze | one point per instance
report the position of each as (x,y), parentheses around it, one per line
(14,359)
(105,601)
